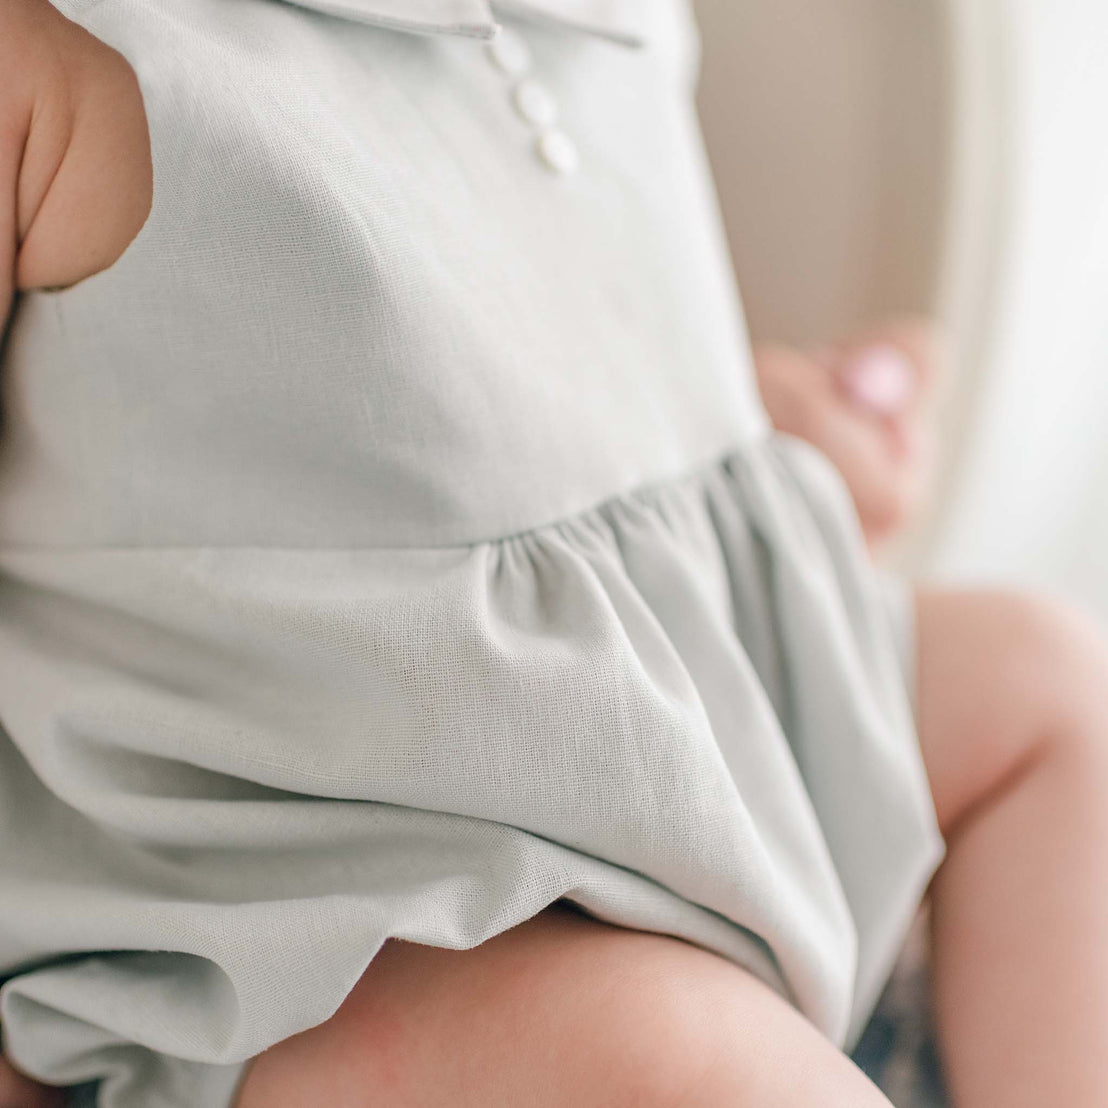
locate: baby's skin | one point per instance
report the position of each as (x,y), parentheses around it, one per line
(866,404)
(1013,724)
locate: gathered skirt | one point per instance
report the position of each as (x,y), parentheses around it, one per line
(229,774)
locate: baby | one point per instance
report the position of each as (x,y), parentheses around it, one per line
(426,679)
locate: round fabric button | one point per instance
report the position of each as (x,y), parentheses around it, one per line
(535,103)
(509,53)
(557,150)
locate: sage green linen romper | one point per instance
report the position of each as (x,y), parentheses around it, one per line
(392,542)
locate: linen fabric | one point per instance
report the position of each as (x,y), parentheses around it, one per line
(392,543)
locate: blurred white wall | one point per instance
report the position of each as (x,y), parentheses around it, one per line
(948,156)
(827,125)
(1030,503)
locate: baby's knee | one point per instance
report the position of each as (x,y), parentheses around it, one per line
(1007,681)
(1056,665)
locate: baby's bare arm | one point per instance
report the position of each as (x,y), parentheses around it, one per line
(15,118)
(74,190)
(75,171)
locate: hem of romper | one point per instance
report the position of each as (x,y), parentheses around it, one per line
(202,719)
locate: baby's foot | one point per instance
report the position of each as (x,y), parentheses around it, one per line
(864,404)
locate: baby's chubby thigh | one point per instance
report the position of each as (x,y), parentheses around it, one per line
(562,1009)
(1013,722)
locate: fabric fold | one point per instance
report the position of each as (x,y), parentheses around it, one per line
(261,763)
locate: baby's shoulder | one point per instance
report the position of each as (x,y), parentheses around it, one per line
(75,166)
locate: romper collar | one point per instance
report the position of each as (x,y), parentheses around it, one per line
(614,19)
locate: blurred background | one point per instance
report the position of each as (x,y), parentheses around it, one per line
(948,157)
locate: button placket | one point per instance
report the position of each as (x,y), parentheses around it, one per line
(534,103)
(558,151)
(509,52)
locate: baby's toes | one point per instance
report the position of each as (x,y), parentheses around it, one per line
(891,371)
(880,379)
(889,376)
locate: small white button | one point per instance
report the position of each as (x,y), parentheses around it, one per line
(509,53)
(535,104)
(557,150)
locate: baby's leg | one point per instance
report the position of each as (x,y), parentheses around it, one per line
(1013,702)
(561,1010)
